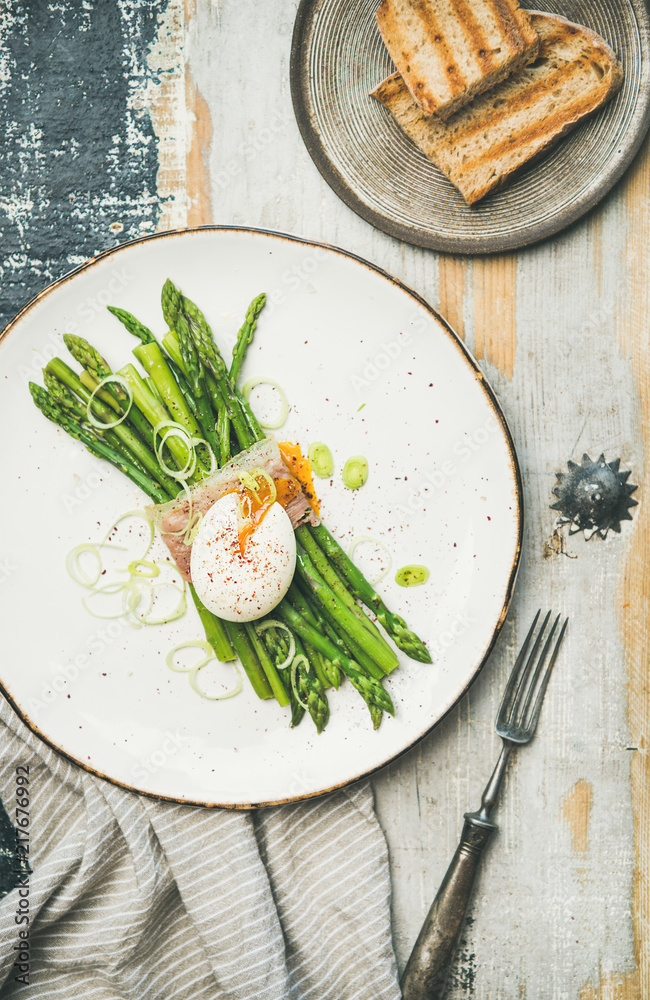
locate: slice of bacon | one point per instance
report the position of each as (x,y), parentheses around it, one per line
(172,518)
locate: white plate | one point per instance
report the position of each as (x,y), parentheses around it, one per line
(443,490)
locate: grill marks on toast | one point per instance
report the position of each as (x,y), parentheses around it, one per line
(512,27)
(490,139)
(476,37)
(450,79)
(520,101)
(447,51)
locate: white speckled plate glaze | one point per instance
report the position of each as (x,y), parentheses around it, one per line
(368,368)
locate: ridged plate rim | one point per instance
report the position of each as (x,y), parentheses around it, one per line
(477,239)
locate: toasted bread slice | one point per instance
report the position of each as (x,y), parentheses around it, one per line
(448,51)
(489,140)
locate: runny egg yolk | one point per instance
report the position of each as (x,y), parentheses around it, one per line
(255,504)
(301,469)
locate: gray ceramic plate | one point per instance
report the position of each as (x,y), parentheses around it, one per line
(338,57)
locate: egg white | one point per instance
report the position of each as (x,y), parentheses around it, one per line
(236,587)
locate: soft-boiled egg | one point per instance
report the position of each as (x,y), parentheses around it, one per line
(241,569)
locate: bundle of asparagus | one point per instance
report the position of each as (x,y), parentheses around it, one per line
(188,387)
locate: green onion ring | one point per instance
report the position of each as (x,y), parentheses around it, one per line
(320,459)
(131,513)
(272,623)
(214,697)
(251,384)
(250,481)
(101,424)
(360,540)
(300,658)
(134,568)
(214,465)
(178,611)
(171,429)
(194,644)
(355,472)
(132,595)
(140,572)
(193,670)
(192,528)
(110,588)
(73,565)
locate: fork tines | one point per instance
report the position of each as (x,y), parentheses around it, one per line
(519,713)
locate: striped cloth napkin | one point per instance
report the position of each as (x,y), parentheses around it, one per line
(132,898)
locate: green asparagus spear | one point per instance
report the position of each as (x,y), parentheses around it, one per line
(211,359)
(396,627)
(272,676)
(170,343)
(61,395)
(89,358)
(144,334)
(309,689)
(156,366)
(245,335)
(378,651)
(174,312)
(332,579)
(58,415)
(133,325)
(277,647)
(313,616)
(249,660)
(370,689)
(219,408)
(337,635)
(215,630)
(156,414)
(97,368)
(136,446)
(92,385)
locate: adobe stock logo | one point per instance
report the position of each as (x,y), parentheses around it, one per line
(441,476)
(457,626)
(85,313)
(173,744)
(84,489)
(380,362)
(7,570)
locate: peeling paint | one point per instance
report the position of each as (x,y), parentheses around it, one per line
(162,95)
(79,156)
(181,122)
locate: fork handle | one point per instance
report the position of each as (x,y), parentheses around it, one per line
(427,968)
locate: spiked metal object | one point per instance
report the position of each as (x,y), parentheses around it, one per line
(593,497)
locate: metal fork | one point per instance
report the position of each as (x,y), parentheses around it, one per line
(427,968)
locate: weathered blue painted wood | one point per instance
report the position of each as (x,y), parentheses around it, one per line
(77,159)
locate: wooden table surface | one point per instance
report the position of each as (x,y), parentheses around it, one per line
(127,118)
